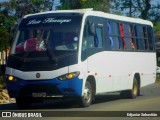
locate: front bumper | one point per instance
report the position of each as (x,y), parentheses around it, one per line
(52,88)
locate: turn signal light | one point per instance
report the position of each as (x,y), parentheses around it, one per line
(69,76)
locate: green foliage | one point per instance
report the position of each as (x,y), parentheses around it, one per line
(91,4)
(2,84)
(37,1)
(70,4)
(144,9)
(102,5)
(4,38)
(11,12)
(157,27)
(6,23)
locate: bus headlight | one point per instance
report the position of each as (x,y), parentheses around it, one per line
(11,78)
(69,76)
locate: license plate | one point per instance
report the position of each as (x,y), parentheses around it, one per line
(42,94)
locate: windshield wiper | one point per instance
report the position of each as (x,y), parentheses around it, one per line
(50,53)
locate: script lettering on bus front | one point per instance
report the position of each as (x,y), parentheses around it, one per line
(31,22)
(48,20)
(53,20)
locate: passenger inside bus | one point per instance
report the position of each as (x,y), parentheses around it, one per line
(34,43)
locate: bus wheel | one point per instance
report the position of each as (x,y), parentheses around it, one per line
(23,103)
(133,93)
(86,99)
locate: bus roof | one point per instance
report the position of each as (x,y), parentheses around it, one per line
(91,12)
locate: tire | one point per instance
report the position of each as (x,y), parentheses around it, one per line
(23,103)
(134,92)
(135,89)
(86,99)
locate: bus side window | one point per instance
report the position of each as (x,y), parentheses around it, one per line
(109,32)
(132,35)
(84,40)
(98,38)
(113,35)
(95,35)
(90,34)
(140,37)
(136,36)
(150,38)
(122,36)
(85,43)
(127,36)
(145,38)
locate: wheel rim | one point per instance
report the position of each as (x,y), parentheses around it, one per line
(135,89)
(87,94)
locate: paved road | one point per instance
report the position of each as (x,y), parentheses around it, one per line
(148,101)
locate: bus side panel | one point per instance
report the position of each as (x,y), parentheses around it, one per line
(149,75)
(114,71)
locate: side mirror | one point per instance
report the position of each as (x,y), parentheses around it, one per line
(92,30)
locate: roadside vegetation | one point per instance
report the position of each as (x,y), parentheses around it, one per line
(2,84)
(158,80)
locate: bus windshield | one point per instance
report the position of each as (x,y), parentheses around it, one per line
(57,33)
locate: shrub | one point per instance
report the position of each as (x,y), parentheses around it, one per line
(2,84)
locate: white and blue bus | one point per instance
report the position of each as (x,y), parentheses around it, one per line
(79,54)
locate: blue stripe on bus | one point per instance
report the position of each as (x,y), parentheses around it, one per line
(72,87)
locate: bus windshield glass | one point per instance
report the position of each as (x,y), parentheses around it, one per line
(57,33)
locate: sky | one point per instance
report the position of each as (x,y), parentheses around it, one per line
(3,0)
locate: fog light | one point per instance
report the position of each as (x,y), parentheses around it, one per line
(10,78)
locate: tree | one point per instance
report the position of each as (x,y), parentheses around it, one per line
(154,13)
(101,5)
(11,12)
(70,4)
(5,22)
(157,27)
(145,9)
